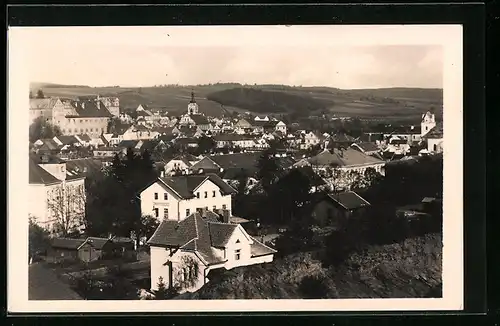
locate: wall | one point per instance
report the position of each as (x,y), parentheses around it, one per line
(435,145)
(210,201)
(243,245)
(148,203)
(37,194)
(159,256)
(94,127)
(35,113)
(175,164)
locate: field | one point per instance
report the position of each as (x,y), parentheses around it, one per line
(365,103)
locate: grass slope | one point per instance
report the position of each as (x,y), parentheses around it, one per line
(369,103)
(410,269)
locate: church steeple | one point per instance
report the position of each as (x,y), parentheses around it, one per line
(192,106)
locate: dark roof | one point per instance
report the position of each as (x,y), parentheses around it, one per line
(50,144)
(191,234)
(97,243)
(436,132)
(128,143)
(232,137)
(346,157)
(90,110)
(199,119)
(349,200)
(67,243)
(367,146)
(84,137)
(84,165)
(120,128)
(185,141)
(37,175)
(43,284)
(259,249)
(341,138)
(184,185)
(220,233)
(67,140)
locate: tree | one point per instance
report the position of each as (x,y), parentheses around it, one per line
(147,226)
(41,129)
(31,94)
(39,240)
(40,94)
(66,203)
(268,169)
(205,144)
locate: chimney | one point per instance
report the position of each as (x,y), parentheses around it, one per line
(225,216)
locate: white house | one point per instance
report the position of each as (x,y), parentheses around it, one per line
(55,195)
(435,139)
(183,253)
(180,163)
(281,127)
(428,123)
(257,118)
(177,197)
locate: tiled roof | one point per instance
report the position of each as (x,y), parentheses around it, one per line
(349,200)
(84,137)
(50,144)
(341,137)
(186,141)
(436,132)
(128,143)
(199,119)
(38,175)
(184,185)
(43,284)
(259,249)
(97,243)
(68,140)
(367,146)
(346,157)
(181,158)
(220,233)
(190,234)
(89,109)
(67,243)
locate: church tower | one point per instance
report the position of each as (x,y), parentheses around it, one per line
(428,122)
(192,106)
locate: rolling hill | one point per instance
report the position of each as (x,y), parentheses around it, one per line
(214,99)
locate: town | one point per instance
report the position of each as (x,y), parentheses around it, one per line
(137,203)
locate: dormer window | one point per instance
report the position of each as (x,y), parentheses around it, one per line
(197,195)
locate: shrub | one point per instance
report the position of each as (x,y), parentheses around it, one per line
(313,287)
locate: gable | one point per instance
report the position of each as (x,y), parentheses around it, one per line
(160,188)
(239,238)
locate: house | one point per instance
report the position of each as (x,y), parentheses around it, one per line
(85,250)
(176,197)
(103,152)
(339,140)
(427,123)
(54,194)
(85,140)
(242,126)
(397,145)
(184,252)
(84,116)
(180,163)
(67,141)
(186,142)
(111,103)
(367,148)
(434,139)
(345,159)
(335,209)
(281,127)
(85,166)
(310,139)
(257,118)
(43,107)
(47,146)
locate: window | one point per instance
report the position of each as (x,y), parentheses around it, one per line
(197,195)
(238,241)
(157,212)
(435,147)
(206,194)
(214,207)
(156,195)
(237,254)
(224,206)
(165,196)
(187,212)
(213,193)
(165,213)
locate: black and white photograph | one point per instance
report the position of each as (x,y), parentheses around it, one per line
(192,167)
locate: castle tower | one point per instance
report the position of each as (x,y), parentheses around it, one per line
(192,106)
(428,122)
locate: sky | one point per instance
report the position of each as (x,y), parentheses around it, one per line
(347,57)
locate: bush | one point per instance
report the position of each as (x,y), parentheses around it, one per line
(313,287)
